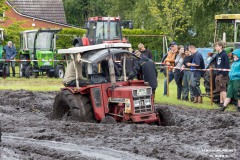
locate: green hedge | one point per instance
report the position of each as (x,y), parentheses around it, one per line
(66,36)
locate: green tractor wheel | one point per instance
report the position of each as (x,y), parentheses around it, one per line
(29,72)
(59,71)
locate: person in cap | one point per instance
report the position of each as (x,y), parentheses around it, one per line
(145,70)
(11,52)
(170,61)
(233,89)
(146,52)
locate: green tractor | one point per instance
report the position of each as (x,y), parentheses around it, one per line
(4,68)
(38,54)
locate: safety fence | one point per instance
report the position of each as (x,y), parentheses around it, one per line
(210,70)
(163,65)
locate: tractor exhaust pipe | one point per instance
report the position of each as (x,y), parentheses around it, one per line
(111,70)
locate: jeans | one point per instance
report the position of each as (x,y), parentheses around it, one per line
(171,77)
(186,85)
(178,80)
(12,63)
(195,84)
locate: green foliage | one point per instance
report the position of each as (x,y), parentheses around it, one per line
(12,33)
(66,36)
(77,11)
(152,39)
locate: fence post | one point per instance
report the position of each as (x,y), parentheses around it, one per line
(167,72)
(211,85)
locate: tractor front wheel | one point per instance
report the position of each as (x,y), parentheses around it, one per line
(75,106)
(29,72)
(165,115)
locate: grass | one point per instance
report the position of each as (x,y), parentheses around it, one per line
(172,99)
(43,83)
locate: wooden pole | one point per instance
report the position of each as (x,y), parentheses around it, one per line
(211,85)
(167,72)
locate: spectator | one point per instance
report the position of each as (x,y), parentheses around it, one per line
(178,73)
(197,63)
(147,70)
(144,51)
(11,52)
(233,89)
(169,61)
(187,77)
(221,79)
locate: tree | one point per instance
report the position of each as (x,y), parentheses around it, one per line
(77,11)
(3,7)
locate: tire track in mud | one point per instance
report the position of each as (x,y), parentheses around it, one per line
(58,149)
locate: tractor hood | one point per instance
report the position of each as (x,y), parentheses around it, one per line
(129,91)
(103,54)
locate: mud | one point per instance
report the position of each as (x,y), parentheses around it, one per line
(28,132)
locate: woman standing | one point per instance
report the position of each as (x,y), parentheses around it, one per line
(178,73)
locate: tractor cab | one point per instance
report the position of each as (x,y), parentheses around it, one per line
(101,30)
(4,68)
(37,52)
(227,29)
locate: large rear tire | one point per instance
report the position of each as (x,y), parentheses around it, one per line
(77,107)
(59,71)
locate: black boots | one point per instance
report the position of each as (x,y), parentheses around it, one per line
(222,107)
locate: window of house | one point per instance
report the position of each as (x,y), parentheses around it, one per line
(2,16)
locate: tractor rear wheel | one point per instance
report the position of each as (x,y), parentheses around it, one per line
(59,71)
(76,106)
(21,70)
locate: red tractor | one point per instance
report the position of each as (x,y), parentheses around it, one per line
(110,96)
(101,30)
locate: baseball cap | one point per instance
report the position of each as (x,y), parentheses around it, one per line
(172,43)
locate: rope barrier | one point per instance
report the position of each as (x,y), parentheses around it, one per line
(158,63)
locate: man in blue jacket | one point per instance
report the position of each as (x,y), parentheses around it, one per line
(197,63)
(11,52)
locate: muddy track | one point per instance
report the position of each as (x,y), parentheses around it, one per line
(30,133)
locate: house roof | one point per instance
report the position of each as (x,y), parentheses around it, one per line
(50,10)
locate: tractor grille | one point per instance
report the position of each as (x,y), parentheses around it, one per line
(46,67)
(142,104)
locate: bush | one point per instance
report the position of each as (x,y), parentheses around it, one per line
(66,36)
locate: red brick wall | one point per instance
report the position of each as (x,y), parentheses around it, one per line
(27,22)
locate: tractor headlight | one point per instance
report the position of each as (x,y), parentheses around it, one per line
(147,102)
(137,103)
(127,106)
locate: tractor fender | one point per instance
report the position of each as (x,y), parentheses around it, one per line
(82,90)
